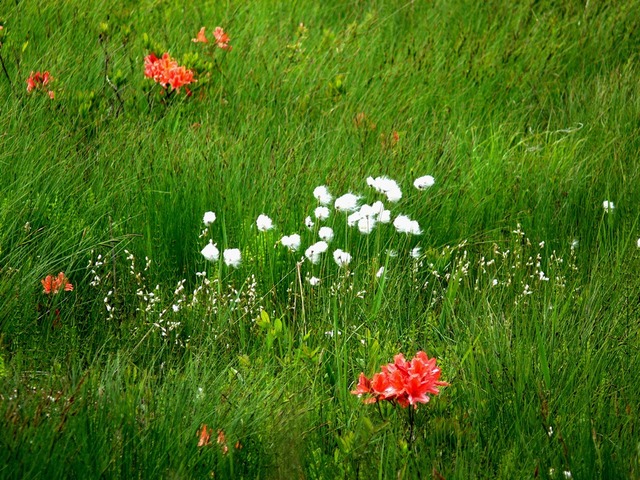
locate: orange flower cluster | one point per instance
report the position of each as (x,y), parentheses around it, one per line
(55,285)
(404,382)
(167,72)
(204,438)
(221,38)
(38,81)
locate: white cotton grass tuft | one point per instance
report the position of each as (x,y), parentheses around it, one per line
(209,218)
(352,220)
(292,242)
(314,251)
(404,224)
(321,213)
(367,217)
(386,186)
(232,257)
(608,206)
(347,202)
(422,183)
(210,252)
(341,258)
(380,272)
(322,195)
(313,281)
(264,223)
(326,234)
(385,216)
(309,223)
(416,252)
(366,224)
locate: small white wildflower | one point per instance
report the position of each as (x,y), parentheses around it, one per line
(550,430)
(574,244)
(264,223)
(209,218)
(309,223)
(638,243)
(314,251)
(567,474)
(321,213)
(175,308)
(232,257)
(380,272)
(330,333)
(422,183)
(292,242)
(404,224)
(326,234)
(347,202)
(210,252)
(322,195)
(608,206)
(341,257)
(416,252)
(313,281)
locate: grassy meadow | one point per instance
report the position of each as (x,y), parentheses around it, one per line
(522,282)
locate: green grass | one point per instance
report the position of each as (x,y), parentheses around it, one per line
(526,115)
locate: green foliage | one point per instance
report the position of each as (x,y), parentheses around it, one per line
(525,289)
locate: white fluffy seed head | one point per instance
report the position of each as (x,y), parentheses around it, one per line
(291,242)
(321,213)
(326,234)
(209,218)
(232,257)
(210,252)
(264,223)
(322,195)
(341,258)
(422,183)
(347,202)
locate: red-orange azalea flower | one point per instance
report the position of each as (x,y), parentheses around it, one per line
(200,37)
(54,285)
(403,382)
(38,80)
(166,71)
(222,39)
(204,436)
